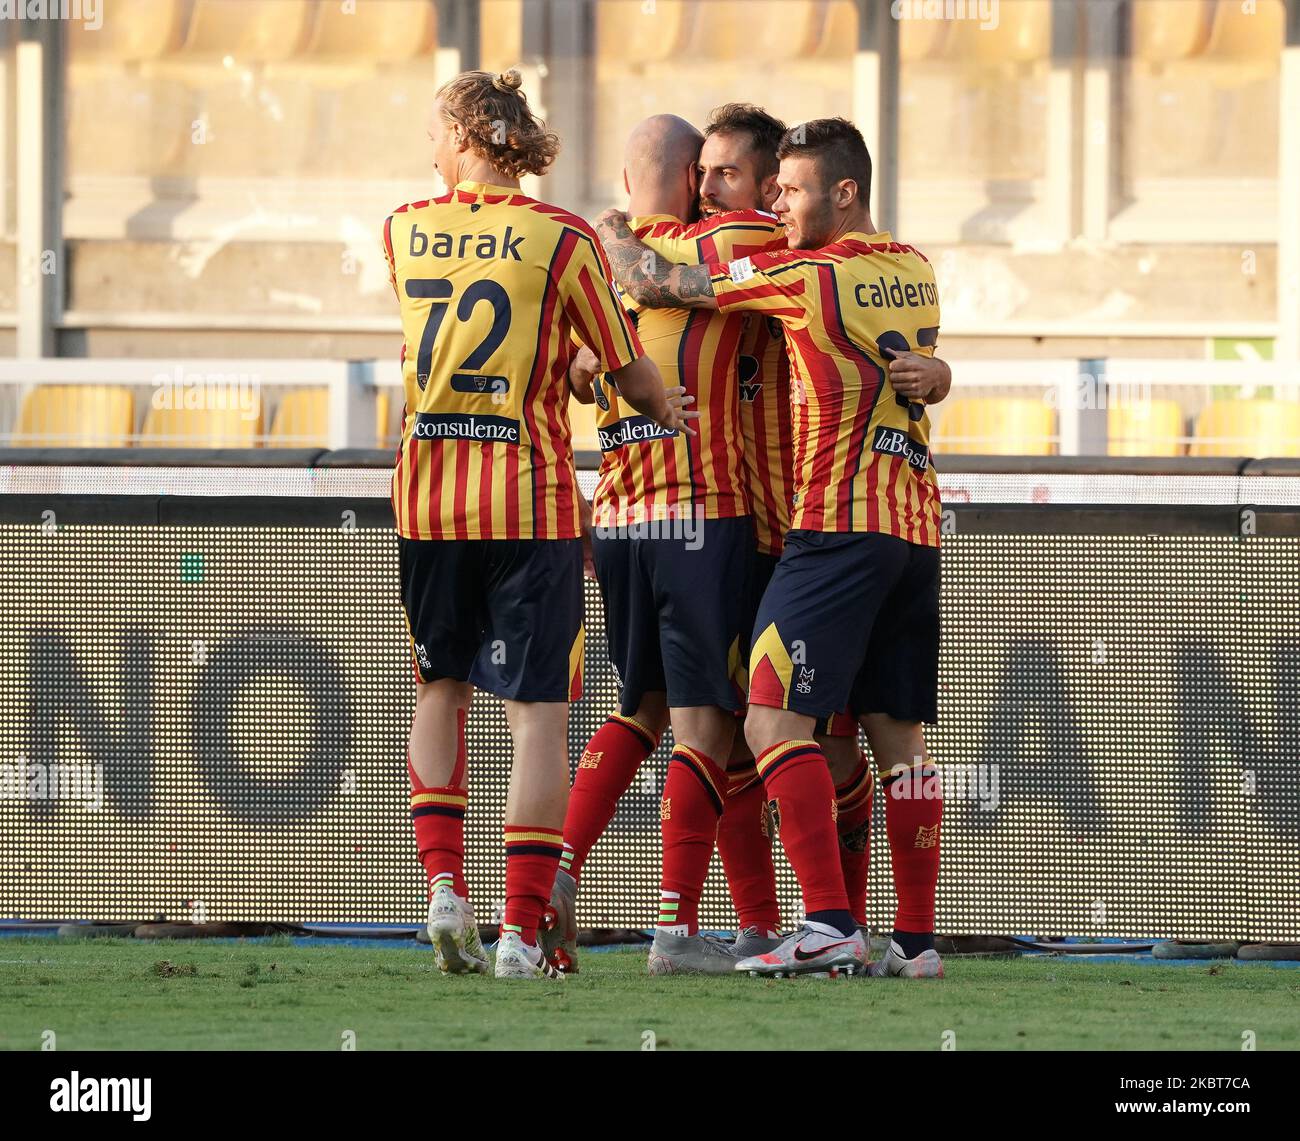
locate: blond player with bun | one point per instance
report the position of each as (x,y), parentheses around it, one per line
(494,288)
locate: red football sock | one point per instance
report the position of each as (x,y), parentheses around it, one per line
(800,789)
(438,815)
(913,810)
(688,822)
(745,845)
(606,770)
(853,801)
(532,856)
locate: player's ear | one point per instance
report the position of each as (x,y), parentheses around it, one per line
(769,192)
(844,192)
(693,180)
(627,186)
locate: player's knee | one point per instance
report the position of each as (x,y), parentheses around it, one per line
(761,728)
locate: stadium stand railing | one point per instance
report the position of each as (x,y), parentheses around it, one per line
(1062,407)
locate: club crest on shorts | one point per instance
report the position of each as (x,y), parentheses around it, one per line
(666,808)
(774,813)
(927,837)
(590,760)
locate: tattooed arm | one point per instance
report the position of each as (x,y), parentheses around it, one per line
(651,280)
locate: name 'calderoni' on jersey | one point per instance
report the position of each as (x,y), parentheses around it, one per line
(896,294)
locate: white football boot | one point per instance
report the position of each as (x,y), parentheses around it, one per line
(895,965)
(517,960)
(812,950)
(453,932)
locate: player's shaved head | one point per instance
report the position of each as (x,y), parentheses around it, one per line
(659,162)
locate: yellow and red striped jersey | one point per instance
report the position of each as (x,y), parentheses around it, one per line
(766,428)
(492,286)
(862,453)
(648,474)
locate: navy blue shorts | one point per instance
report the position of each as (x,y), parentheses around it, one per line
(504,614)
(675,612)
(849,621)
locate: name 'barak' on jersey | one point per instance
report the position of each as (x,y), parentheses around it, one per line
(485,246)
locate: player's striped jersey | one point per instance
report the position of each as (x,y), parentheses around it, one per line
(492,286)
(862,454)
(648,474)
(766,428)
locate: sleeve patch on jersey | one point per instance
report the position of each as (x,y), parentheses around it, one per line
(742,269)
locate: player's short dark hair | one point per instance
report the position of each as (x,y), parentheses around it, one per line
(836,146)
(765,131)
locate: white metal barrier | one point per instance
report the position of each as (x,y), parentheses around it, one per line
(1078,393)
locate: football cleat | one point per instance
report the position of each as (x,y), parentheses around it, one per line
(751,942)
(517,960)
(558,933)
(895,965)
(453,932)
(689,955)
(810,951)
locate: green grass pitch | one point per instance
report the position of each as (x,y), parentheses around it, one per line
(127,994)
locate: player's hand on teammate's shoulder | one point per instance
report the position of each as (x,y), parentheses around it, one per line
(678,414)
(919,378)
(608,223)
(582,375)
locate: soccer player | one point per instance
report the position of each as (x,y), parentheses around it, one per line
(671,542)
(491,286)
(850,618)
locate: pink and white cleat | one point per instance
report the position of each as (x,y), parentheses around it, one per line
(815,949)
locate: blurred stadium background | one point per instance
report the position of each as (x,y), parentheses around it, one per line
(191,197)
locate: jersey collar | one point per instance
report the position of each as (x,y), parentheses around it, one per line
(482,188)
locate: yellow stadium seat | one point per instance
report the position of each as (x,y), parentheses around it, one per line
(1248,37)
(201,428)
(640,33)
(302,419)
(759,33)
(582,423)
(1145,428)
(921,39)
(1023,35)
(75,415)
(501,33)
(1258,428)
(839,31)
(1165,30)
(135,29)
(377,31)
(994,426)
(249,31)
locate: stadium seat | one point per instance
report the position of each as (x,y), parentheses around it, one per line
(76,416)
(921,39)
(137,29)
(501,32)
(249,31)
(839,32)
(758,33)
(302,420)
(995,426)
(376,31)
(631,34)
(1251,40)
(201,428)
(1145,428)
(1023,36)
(1165,30)
(1257,428)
